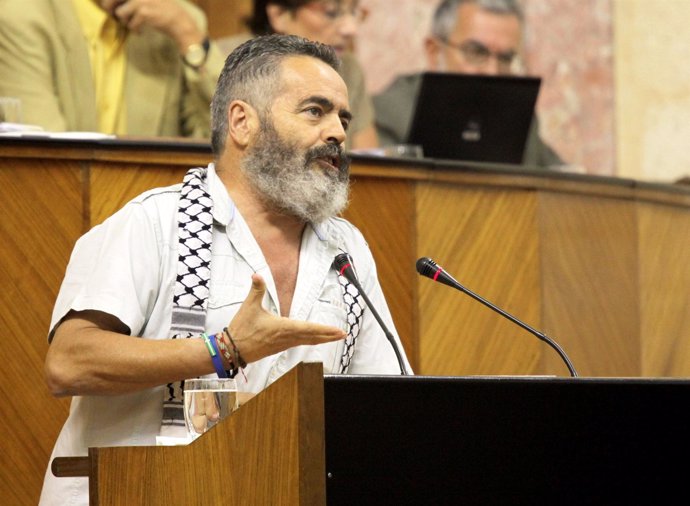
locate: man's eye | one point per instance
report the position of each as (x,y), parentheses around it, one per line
(345,123)
(314,111)
(478,50)
(332,13)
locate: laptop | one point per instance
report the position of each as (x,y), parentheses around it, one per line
(475,118)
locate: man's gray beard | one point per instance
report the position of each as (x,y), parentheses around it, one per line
(293,183)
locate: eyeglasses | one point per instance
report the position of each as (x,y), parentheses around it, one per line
(337,10)
(477,54)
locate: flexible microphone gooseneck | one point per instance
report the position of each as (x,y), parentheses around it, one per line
(343,266)
(427,267)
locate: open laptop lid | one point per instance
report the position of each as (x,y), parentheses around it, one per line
(474,117)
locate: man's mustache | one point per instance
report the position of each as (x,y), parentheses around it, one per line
(333,151)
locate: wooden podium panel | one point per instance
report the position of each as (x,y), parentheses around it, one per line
(270,451)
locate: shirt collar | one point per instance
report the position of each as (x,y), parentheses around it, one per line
(223,207)
(93,19)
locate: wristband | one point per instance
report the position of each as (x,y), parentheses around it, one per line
(215,356)
(238,358)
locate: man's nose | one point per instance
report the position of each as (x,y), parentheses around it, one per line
(491,66)
(348,25)
(334,131)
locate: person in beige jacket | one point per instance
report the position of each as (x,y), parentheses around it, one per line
(167,72)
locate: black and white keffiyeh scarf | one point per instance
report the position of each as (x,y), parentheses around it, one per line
(355,310)
(190,295)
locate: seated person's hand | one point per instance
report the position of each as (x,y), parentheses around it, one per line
(166,16)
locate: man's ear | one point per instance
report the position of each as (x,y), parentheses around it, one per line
(243,122)
(278,17)
(432,49)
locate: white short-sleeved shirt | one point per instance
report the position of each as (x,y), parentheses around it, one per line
(127,267)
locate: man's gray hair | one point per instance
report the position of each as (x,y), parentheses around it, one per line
(252,74)
(445,17)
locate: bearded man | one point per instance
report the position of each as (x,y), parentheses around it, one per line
(238,257)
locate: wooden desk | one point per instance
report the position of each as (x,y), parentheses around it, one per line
(601,265)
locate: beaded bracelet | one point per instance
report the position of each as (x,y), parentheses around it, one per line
(238,358)
(215,357)
(223,347)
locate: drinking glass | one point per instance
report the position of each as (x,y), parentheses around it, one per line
(208,401)
(10,110)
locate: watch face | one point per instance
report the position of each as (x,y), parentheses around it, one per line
(195,56)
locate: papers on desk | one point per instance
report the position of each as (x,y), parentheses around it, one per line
(13,128)
(20,130)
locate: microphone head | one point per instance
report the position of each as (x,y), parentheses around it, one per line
(342,264)
(427,267)
(340,261)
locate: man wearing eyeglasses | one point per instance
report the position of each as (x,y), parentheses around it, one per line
(470,37)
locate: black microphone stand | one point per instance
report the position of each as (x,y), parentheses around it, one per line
(427,267)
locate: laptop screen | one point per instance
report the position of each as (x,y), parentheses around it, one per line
(474,117)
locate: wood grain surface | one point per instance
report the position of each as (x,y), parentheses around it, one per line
(601,265)
(271,451)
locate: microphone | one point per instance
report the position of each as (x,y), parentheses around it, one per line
(427,267)
(343,266)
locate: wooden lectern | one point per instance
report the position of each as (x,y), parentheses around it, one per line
(359,440)
(270,451)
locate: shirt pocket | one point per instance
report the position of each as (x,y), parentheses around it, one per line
(330,312)
(224,301)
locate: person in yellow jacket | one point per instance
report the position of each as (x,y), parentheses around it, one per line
(135,67)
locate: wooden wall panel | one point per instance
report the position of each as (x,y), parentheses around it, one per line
(225,17)
(487,239)
(664,290)
(589,262)
(383,209)
(112,185)
(49,201)
(40,202)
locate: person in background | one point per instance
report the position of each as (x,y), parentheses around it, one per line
(332,22)
(134,67)
(229,271)
(471,37)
